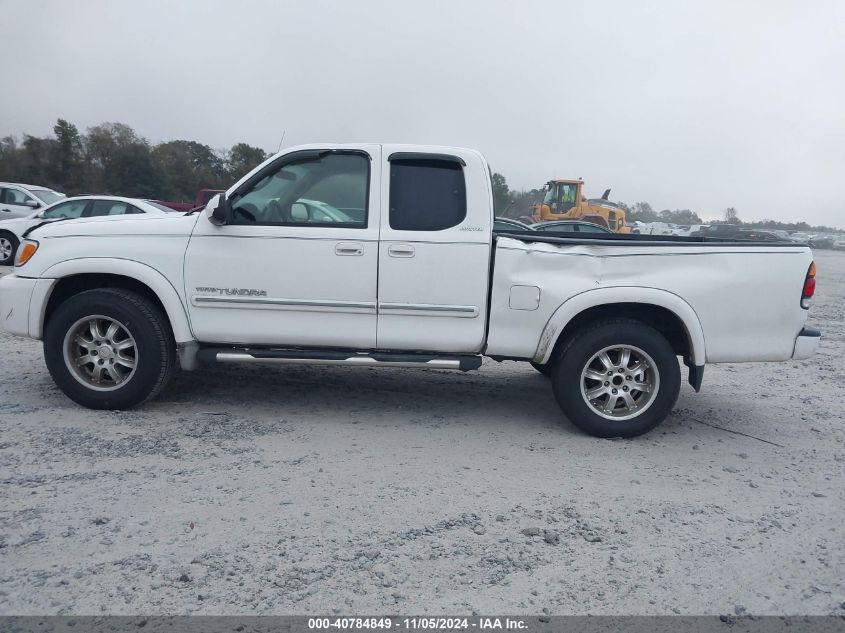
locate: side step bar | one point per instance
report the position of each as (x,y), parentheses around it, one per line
(461,362)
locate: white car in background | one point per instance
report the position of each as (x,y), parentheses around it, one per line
(653,228)
(17,200)
(685,230)
(12,231)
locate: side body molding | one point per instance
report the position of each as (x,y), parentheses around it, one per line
(158,283)
(622,294)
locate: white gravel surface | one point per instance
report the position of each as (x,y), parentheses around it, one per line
(318,490)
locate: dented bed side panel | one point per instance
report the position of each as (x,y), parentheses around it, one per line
(737,302)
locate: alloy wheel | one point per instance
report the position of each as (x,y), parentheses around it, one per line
(620,382)
(100,352)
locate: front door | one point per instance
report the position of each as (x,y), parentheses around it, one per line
(297,265)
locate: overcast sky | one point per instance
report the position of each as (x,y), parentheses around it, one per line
(699,105)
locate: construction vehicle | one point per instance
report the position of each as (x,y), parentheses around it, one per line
(564,201)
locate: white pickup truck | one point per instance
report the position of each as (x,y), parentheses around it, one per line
(385,256)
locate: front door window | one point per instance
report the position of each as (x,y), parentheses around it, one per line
(329,189)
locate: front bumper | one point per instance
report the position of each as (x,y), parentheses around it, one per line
(15,296)
(806,343)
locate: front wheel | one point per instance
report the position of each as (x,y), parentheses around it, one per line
(109,348)
(619,378)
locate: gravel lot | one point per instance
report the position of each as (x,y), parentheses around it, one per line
(313,490)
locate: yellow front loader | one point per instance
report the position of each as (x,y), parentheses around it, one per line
(564,201)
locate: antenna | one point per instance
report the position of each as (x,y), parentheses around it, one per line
(281,141)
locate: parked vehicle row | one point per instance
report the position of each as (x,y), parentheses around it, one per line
(554,226)
(836,242)
(386,256)
(12,232)
(18,200)
(200,200)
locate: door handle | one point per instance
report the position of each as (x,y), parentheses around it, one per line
(349,248)
(401,250)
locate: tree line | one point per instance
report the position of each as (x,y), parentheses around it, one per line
(112,158)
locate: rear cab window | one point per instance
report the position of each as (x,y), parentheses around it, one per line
(427,193)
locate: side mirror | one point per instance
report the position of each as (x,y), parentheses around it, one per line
(218,210)
(32,204)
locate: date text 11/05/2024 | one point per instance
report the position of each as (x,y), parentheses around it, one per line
(418,623)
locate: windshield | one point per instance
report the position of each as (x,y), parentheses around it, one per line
(509,225)
(46,196)
(591,228)
(557,228)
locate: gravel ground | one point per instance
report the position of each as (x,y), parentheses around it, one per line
(318,490)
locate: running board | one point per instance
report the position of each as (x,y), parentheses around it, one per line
(461,362)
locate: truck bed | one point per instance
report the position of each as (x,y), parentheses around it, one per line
(746,291)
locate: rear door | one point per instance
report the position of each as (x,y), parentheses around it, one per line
(434,252)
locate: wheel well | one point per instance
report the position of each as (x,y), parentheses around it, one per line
(661,319)
(72,285)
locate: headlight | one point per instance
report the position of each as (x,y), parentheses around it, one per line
(26,251)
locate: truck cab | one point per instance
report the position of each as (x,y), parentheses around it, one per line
(330,240)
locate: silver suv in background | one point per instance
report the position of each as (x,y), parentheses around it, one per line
(17,200)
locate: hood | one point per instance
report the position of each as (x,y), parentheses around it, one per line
(118,225)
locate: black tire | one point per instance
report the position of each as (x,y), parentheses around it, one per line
(582,346)
(546,369)
(9,260)
(153,350)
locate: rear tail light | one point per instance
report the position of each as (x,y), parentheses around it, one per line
(809,286)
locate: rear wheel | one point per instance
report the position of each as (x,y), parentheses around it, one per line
(619,378)
(109,348)
(8,247)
